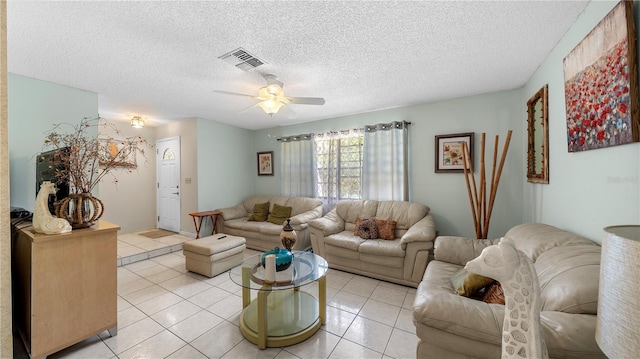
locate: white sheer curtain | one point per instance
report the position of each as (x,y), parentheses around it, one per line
(298,166)
(339,162)
(385,167)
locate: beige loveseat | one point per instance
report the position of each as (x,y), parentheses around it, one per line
(456,327)
(265,236)
(401,260)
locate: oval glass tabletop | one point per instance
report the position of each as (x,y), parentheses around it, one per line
(305,268)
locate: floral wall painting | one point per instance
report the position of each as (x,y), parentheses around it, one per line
(449,152)
(265,163)
(601,84)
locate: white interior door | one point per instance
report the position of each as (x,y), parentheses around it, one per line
(168,177)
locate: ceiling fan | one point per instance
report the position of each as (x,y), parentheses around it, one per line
(272,96)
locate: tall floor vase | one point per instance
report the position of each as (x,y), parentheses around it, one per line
(81,210)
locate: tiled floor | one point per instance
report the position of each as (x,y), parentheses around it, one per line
(166,312)
(132,247)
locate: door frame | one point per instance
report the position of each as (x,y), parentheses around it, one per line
(158,169)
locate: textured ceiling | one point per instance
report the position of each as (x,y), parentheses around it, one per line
(160,59)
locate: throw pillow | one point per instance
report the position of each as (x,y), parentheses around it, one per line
(279,214)
(260,212)
(367,229)
(386,229)
(494,294)
(468,284)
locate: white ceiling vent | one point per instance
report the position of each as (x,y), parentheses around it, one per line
(242,59)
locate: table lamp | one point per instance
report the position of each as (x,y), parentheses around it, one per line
(618,325)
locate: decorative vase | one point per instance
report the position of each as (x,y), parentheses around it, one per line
(288,236)
(283,258)
(82,210)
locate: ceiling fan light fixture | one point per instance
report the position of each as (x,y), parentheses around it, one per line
(270,107)
(137,122)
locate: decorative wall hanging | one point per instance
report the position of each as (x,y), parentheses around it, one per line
(449,152)
(265,163)
(601,84)
(118,153)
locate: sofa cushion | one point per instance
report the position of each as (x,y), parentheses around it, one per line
(279,214)
(494,294)
(569,278)
(536,238)
(469,284)
(344,239)
(383,248)
(351,210)
(386,229)
(366,228)
(260,212)
(406,214)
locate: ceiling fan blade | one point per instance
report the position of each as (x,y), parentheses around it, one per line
(234,93)
(247,108)
(306,100)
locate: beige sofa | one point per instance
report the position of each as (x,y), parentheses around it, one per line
(455,327)
(402,260)
(265,236)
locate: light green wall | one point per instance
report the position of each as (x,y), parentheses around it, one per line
(226,169)
(226,165)
(445,193)
(34,106)
(587,190)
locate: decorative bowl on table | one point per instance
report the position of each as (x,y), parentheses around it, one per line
(283,258)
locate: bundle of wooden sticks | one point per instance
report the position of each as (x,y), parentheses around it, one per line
(478,195)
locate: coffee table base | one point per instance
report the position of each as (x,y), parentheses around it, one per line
(290,317)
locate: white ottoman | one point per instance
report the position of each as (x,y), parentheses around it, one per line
(213,255)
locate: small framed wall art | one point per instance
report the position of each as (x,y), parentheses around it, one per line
(265,163)
(449,152)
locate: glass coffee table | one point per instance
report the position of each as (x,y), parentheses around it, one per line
(282,314)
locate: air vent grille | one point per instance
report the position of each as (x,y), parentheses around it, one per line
(242,59)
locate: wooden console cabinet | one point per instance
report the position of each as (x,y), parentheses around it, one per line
(64,286)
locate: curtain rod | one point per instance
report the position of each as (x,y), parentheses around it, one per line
(279,139)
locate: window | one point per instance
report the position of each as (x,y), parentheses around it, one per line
(339,166)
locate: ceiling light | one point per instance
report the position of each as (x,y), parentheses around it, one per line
(137,122)
(270,106)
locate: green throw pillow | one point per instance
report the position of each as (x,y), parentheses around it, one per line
(279,214)
(260,212)
(468,284)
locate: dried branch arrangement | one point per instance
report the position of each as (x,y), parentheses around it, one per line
(478,194)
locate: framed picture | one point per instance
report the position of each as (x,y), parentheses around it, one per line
(117,153)
(449,152)
(265,163)
(601,84)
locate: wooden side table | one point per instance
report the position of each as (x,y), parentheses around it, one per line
(201,215)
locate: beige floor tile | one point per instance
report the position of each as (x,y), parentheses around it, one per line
(129,316)
(361,286)
(408,300)
(284,354)
(145,294)
(209,297)
(159,346)
(338,321)
(246,349)
(347,301)
(176,313)
(219,340)
(187,352)
(320,345)
(380,312)
(402,344)
(92,347)
(133,286)
(405,321)
(389,295)
(369,333)
(185,286)
(196,325)
(154,305)
(132,335)
(163,276)
(227,307)
(350,350)
(337,281)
